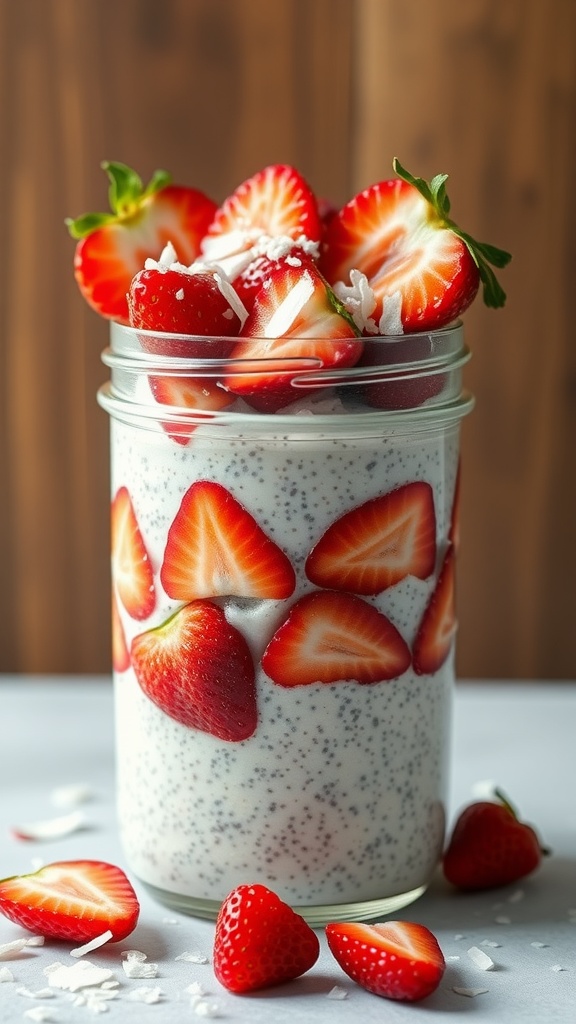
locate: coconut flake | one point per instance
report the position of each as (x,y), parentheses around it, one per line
(470,992)
(82,974)
(138,969)
(53,828)
(6,974)
(284,316)
(206,1008)
(539,945)
(491,944)
(38,1013)
(71,795)
(193,957)
(480,959)
(557,967)
(94,943)
(232,297)
(146,994)
(133,954)
(390,321)
(7,949)
(358,299)
(195,988)
(337,993)
(42,993)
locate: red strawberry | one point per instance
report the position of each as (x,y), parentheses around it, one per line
(275,201)
(454,532)
(250,281)
(201,395)
(75,900)
(438,625)
(260,941)
(120,652)
(396,959)
(329,638)
(378,543)
(490,846)
(131,569)
(216,548)
(297,321)
(401,388)
(197,668)
(112,247)
(175,302)
(423,269)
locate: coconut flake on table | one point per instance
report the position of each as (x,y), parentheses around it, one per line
(193,957)
(470,992)
(41,993)
(139,969)
(6,974)
(82,974)
(39,1013)
(146,994)
(337,992)
(206,1008)
(95,943)
(51,828)
(71,795)
(9,949)
(480,959)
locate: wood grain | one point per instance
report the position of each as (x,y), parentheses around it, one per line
(212,90)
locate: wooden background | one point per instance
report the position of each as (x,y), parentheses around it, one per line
(212,90)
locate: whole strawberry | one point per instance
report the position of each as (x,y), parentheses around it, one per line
(490,846)
(260,941)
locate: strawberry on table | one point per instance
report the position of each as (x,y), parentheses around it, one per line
(132,572)
(490,846)
(438,625)
(377,544)
(112,247)
(397,959)
(260,941)
(75,900)
(423,269)
(296,321)
(215,548)
(330,637)
(197,669)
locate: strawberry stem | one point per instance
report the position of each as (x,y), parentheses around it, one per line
(126,194)
(482,253)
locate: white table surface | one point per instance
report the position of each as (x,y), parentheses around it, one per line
(60,731)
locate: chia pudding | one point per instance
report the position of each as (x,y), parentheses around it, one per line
(338,796)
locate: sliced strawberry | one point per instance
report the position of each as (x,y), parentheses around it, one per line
(275,201)
(423,269)
(166,300)
(330,637)
(131,568)
(397,959)
(298,322)
(437,628)
(197,669)
(250,281)
(260,941)
(112,247)
(75,900)
(378,543)
(120,652)
(201,395)
(216,548)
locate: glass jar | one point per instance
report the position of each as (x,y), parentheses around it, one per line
(283,613)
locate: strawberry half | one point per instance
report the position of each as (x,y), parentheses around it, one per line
(423,269)
(377,544)
(397,959)
(75,900)
(330,637)
(437,628)
(275,201)
(297,322)
(112,247)
(215,548)
(201,395)
(250,281)
(170,301)
(197,669)
(131,568)
(260,941)
(490,846)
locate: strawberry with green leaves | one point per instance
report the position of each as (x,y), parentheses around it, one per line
(260,941)
(423,269)
(490,846)
(296,325)
(76,900)
(397,959)
(112,247)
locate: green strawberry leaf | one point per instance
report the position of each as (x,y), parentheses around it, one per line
(482,253)
(126,193)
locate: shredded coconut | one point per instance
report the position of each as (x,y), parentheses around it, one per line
(557,967)
(232,297)
(284,316)
(491,944)
(41,993)
(146,994)
(53,828)
(195,988)
(133,954)
(39,1013)
(6,974)
(82,974)
(337,993)
(358,299)
(390,321)
(138,969)
(94,943)
(470,992)
(539,945)
(7,949)
(480,959)
(193,957)
(206,1008)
